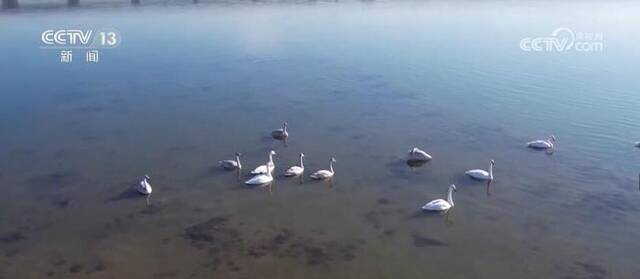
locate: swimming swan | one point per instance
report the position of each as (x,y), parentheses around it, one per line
(144,187)
(280,133)
(295,170)
(416,154)
(324,174)
(261,178)
(542,144)
(262,169)
(482,174)
(232,164)
(440,204)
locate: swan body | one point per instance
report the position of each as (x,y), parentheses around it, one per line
(262,169)
(482,174)
(416,154)
(144,187)
(542,144)
(440,204)
(232,164)
(280,133)
(324,174)
(295,170)
(261,178)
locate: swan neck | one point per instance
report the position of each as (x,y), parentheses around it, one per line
(301,164)
(270,158)
(238,161)
(491,170)
(331,166)
(450,196)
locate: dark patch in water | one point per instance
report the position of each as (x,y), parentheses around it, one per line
(284,236)
(76,268)
(532,226)
(397,169)
(607,207)
(415,163)
(223,242)
(373,218)
(117,225)
(182,149)
(98,268)
(421,241)
(61,202)
(152,209)
(336,129)
(421,214)
(11,252)
(129,192)
(54,180)
(231,265)
(431,114)
(389,232)
(384,201)
(12,237)
(90,109)
(369,77)
(59,262)
(168,274)
(286,244)
(215,170)
(117,101)
(89,139)
(210,231)
(594,271)
(216,236)
(598,172)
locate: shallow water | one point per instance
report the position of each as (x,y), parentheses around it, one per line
(364,82)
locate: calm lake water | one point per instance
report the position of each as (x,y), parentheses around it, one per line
(193,84)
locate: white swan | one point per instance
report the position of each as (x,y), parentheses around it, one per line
(280,133)
(295,170)
(482,174)
(232,164)
(144,187)
(324,174)
(261,178)
(440,204)
(262,169)
(542,144)
(416,154)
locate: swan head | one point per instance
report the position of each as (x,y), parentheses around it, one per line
(301,155)
(413,150)
(238,154)
(146,176)
(493,162)
(453,187)
(272,152)
(333,160)
(284,125)
(553,138)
